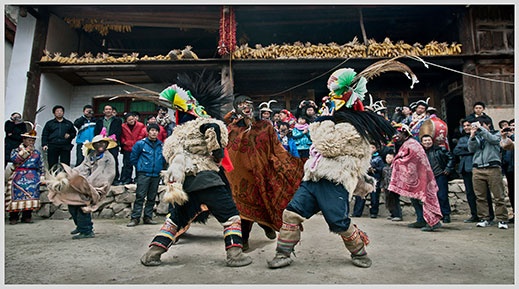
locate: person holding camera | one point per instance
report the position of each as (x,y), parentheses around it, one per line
(14,128)
(486,171)
(85,125)
(307,108)
(164,120)
(465,170)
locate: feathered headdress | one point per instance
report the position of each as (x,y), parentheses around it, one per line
(347,88)
(191,96)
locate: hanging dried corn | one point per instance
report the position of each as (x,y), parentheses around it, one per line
(227,43)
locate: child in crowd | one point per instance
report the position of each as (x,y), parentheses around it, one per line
(392,198)
(302,137)
(285,137)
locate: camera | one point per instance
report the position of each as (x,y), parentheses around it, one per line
(507,129)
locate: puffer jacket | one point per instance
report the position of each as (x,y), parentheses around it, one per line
(130,137)
(147,157)
(303,140)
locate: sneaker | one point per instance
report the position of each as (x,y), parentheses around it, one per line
(502,225)
(84,236)
(396,219)
(446,219)
(132,223)
(75,231)
(431,229)
(471,220)
(373,216)
(482,224)
(417,225)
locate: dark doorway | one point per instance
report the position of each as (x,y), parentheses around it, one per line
(455,112)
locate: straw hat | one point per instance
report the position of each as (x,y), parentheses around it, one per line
(98,138)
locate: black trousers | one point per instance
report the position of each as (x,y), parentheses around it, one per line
(58,154)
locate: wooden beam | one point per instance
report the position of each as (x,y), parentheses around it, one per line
(34,74)
(361,20)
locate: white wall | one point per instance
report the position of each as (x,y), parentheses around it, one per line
(16,81)
(53,91)
(82,95)
(8,52)
(499,113)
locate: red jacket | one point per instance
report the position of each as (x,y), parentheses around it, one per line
(163,134)
(130,137)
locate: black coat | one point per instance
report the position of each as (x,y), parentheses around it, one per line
(54,133)
(13,134)
(116,128)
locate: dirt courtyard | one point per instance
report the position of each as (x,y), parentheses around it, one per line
(458,253)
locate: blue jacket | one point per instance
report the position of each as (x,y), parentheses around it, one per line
(85,129)
(290,146)
(147,157)
(303,140)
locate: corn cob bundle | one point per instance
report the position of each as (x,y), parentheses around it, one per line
(90,25)
(104,58)
(352,49)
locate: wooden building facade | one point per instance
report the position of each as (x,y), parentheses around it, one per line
(453,83)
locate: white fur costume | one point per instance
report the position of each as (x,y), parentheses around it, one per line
(188,152)
(343,156)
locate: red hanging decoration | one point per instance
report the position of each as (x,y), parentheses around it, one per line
(227,42)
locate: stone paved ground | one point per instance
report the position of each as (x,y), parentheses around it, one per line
(459,253)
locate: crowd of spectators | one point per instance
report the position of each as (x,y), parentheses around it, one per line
(482,157)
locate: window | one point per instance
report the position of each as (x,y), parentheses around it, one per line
(123,105)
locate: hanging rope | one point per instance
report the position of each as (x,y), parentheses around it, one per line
(460,72)
(308,81)
(409,56)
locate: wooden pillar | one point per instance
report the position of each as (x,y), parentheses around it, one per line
(469,85)
(228,88)
(468,40)
(34,74)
